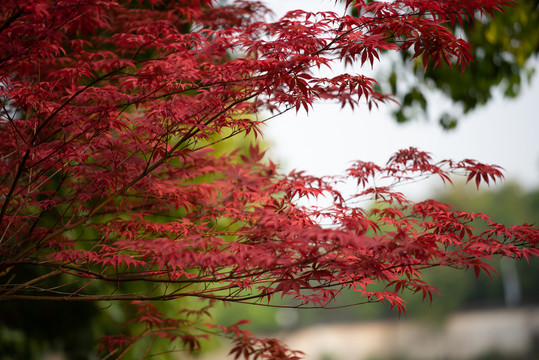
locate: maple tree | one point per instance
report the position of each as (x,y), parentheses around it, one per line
(110,113)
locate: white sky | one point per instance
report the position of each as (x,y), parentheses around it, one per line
(328,139)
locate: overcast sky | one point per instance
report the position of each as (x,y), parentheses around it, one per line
(328,139)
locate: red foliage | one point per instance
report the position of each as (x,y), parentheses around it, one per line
(109,113)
